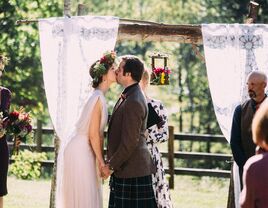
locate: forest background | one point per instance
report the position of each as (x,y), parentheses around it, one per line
(187,98)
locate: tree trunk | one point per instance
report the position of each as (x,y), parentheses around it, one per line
(191,96)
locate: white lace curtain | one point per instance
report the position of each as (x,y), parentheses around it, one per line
(232,51)
(68,47)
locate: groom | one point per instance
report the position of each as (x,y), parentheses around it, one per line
(129,161)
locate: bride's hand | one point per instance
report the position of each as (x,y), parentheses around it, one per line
(105,172)
(100,166)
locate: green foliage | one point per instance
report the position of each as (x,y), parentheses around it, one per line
(21,44)
(27,164)
(24,75)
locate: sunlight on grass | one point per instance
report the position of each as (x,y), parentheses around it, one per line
(189,192)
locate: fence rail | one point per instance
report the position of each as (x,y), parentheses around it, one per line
(170,154)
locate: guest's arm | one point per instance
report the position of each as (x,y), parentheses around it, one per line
(235,141)
(159,133)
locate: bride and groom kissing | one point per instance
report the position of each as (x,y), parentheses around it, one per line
(129,163)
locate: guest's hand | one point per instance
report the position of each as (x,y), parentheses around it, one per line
(17,142)
(146,133)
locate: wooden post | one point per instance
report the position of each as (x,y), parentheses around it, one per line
(54,175)
(251,18)
(67,8)
(38,136)
(171,156)
(66,12)
(253,12)
(180,98)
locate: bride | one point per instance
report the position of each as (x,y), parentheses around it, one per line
(79,184)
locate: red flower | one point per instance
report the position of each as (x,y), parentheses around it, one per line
(159,70)
(103,60)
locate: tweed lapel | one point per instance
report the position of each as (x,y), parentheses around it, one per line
(121,100)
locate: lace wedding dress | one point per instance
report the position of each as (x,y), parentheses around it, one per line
(79,185)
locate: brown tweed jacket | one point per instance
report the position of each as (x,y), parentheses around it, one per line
(127,153)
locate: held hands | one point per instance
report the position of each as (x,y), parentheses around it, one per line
(104,170)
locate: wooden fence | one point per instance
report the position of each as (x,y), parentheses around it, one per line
(171,155)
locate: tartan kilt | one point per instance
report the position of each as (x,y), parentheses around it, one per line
(131,192)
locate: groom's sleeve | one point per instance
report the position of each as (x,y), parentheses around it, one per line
(133,117)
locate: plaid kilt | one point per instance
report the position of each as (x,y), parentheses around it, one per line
(132,192)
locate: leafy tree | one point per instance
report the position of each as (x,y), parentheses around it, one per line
(20,42)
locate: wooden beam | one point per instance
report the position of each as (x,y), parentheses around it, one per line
(150,31)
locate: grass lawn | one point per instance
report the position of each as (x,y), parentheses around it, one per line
(189,192)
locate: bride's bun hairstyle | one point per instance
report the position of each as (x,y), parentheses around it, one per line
(101,67)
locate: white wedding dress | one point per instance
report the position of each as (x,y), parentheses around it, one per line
(79,184)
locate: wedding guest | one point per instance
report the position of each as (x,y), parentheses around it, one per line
(241,137)
(255,176)
(157,126)
(5,96)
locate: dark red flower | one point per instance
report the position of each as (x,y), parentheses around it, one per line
(103,60)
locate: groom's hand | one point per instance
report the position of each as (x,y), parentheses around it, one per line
(105,172)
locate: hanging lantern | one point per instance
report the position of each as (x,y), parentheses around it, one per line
(159,75)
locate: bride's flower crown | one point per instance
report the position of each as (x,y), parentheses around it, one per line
(102,66)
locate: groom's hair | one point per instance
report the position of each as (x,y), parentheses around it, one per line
(134,66)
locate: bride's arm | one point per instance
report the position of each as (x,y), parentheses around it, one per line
(95,138)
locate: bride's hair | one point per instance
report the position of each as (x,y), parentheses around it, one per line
(101,67)
(96,78)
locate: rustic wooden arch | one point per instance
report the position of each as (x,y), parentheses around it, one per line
(138,30)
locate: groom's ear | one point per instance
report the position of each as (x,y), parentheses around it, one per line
(128,74)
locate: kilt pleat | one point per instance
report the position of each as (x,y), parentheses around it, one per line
(131,192)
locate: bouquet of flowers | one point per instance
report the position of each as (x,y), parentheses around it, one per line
(19,126)
(160,76)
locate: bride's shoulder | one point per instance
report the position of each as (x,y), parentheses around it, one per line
(98,94)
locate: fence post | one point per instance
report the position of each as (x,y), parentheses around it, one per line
(208,146)
(38,136)
(171,156)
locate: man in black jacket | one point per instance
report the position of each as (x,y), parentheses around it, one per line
(241,141)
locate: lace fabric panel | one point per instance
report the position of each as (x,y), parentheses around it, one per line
(232,51)
(68,47)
